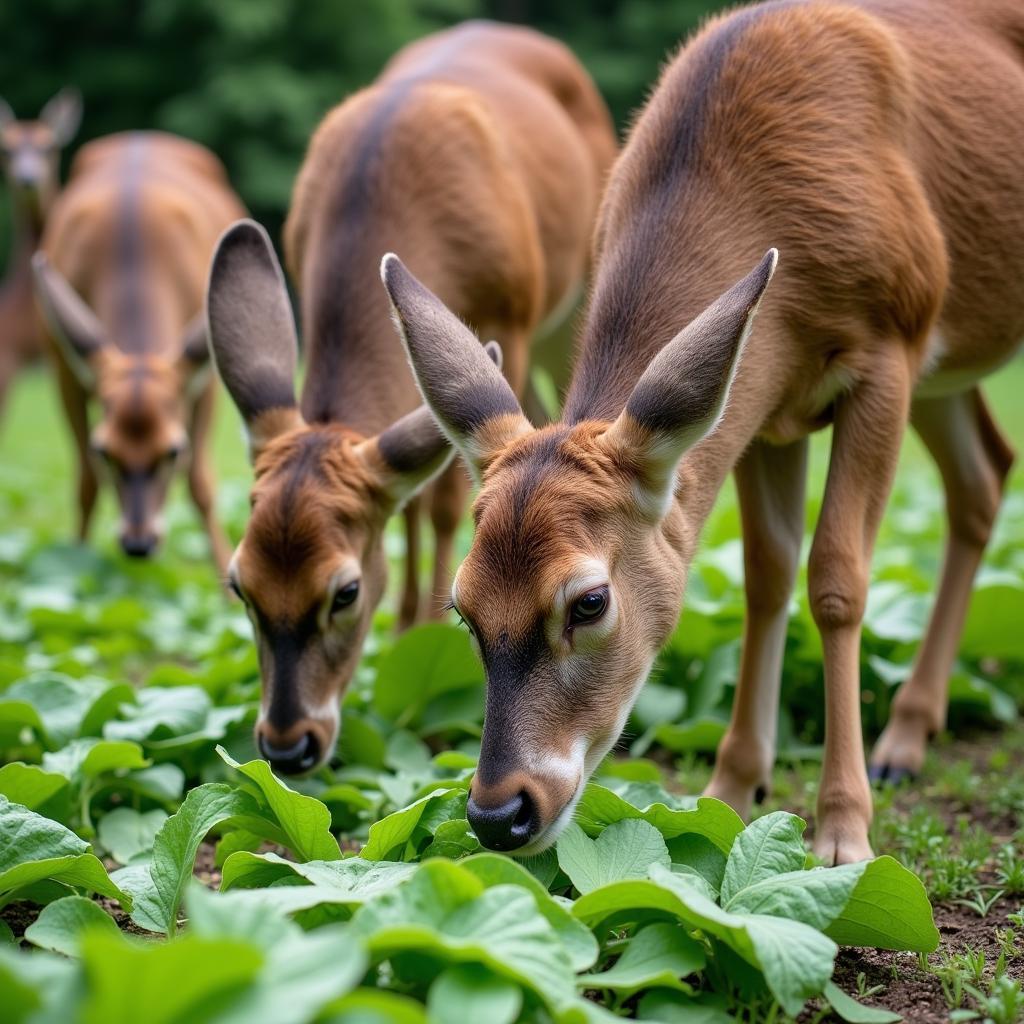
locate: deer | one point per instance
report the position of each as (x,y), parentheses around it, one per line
(870,156)
(481,150)
(121,279)
(30,152)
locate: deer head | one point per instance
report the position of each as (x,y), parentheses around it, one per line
(31,149)
(575,576)
(311,567)
(141,434)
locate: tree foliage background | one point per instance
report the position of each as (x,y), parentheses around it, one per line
(252,78)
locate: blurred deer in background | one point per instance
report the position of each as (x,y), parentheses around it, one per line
(880,146)
(121,279)
(30,151)
(479,153)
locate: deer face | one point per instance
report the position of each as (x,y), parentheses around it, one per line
(311,566)
(141,434)
(577,568)
(31,149)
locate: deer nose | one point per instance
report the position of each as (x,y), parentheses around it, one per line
(137,545)
(300,757)
(506,827)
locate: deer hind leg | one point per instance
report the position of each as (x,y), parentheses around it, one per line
(409,606)
(200,481)
(974,460)
(770,482)
(869,424)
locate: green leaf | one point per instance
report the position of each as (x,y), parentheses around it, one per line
(625,849)
(301,972)
(161,714)
(29,785)
(61,923)
(853,1012)
(424,663)
(700,734)
(127,834)
(389,836)
(494,869)
(478,995)
(189,979)
(39,987)
(888,909)
(442,910)
(158,886)
(89,758)
(33,848)
(717,821)
(769,846)
(305,821)
(659,955)
(376,1006)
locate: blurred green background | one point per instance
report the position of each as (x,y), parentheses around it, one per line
(252,78)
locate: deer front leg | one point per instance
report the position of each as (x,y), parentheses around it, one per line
(75,406)
(974,460)
(869,425)
(770,483)
(200,481)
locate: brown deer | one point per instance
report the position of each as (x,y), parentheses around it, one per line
(481,152)
(880,146)
(120,278)
(30,152)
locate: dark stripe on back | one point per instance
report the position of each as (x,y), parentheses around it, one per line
(131,321)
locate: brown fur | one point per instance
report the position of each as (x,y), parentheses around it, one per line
(478,154)
(30,152)
(879,145)
(132,235)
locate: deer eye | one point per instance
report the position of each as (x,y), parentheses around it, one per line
(345,596)
(589,607)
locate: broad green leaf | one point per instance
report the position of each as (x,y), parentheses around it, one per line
(191,979)
(34,848)
(162,782)
(853,1012)
(717,821)
(39,986)
(158,886)
(474,994)
(376,1006)
(768,846)
(625,849)
(670,1007)
(161,713)
(423,663)
(888,909)
(29,785)
(452,839)
(993,622)
(389,836)
(701,735)
(128,834)
(303,819)
(444,911)
(494,869)
(88,758)
(61,923)
(660,955)
(65,707)
(6,935)
(302,972)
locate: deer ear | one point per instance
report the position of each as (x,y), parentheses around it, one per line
(63,114)
(75,327)
(680,397)
(467,394)
(252,332)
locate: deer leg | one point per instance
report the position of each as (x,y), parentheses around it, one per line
(974,460)
(770,483)
(446,504)
(408,608)
(75,406)
(869,425)
(200,481)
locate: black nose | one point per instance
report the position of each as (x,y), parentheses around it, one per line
(507,827)
(300,757)
(139,547)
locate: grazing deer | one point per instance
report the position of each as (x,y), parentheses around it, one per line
(880,146)
(481,152)
(30,151)
(120,278)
